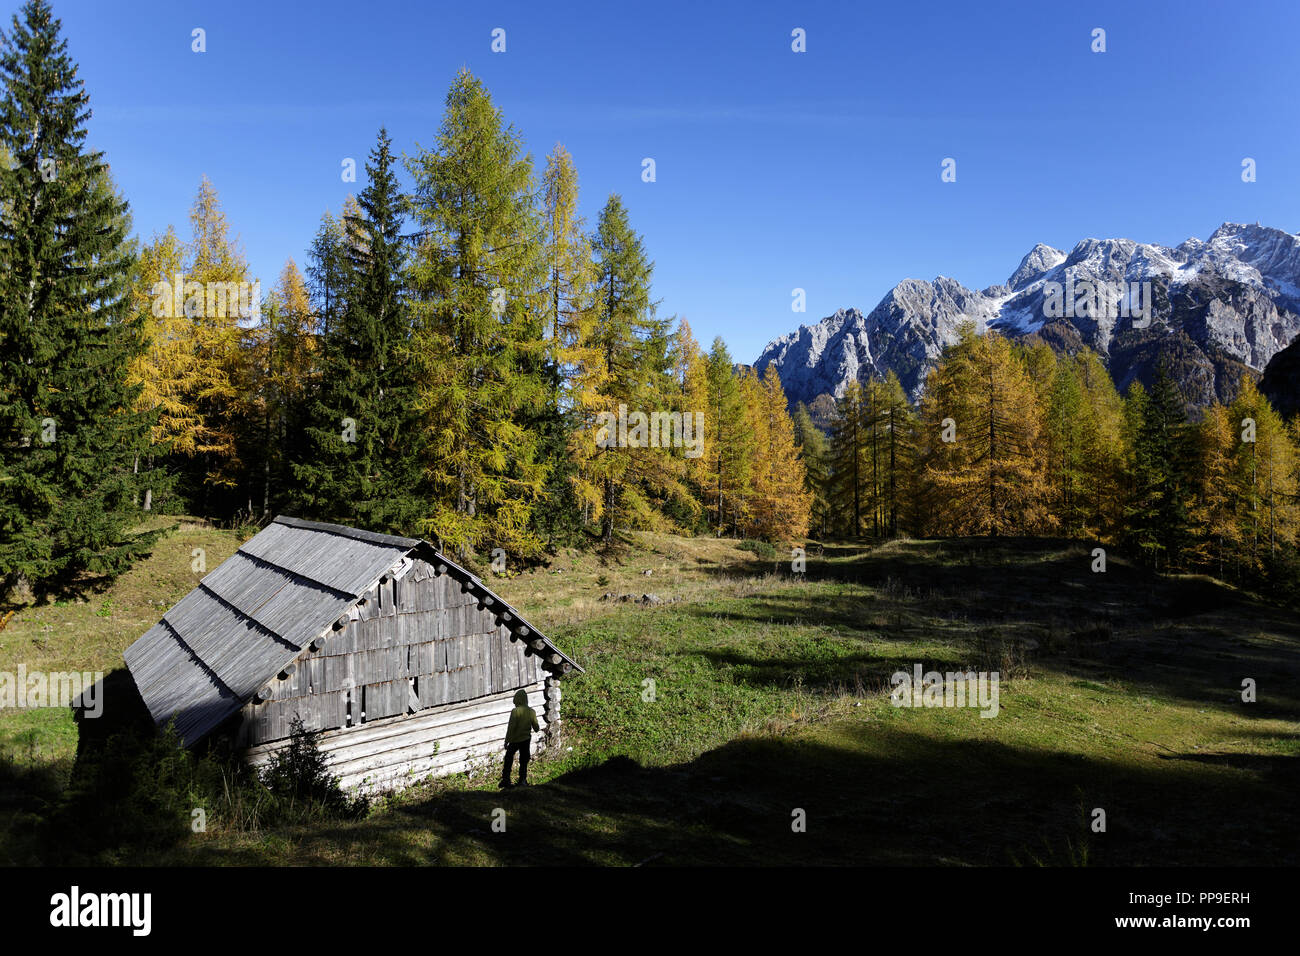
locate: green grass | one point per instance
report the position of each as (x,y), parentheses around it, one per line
(771,696)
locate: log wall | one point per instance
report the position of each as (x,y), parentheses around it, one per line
(399,751)
(416,643)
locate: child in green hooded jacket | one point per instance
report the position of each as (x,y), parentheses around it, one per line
(519,739)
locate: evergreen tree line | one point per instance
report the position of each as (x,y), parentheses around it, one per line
(461,359)
(449,363)
(464,360)
(1014,439)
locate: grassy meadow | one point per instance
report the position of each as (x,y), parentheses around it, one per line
(1120,691)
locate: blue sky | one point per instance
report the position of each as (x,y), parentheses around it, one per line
(775,170)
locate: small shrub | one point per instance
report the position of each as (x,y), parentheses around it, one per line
(135,792)
(299,779)
(759,548)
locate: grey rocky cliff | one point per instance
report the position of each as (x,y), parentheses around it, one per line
(1219,309)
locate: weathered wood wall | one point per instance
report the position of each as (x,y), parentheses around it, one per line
(398,751)
(416,642)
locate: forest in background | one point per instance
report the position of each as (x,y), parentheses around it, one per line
(445,364)
(1014,439)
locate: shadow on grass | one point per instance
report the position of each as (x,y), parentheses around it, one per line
(870,795)
(29,791)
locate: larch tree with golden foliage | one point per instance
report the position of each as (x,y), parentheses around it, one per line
(571,355)
(691,374)
(480,313)
(1265,473)
(625,476)
(780,504)
(814,452)
(871,453)
(728,447)
(983,428)
(168,372)
(1082,442)
(217,293)
(1214,510)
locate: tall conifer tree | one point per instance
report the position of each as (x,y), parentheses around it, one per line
(1157,515)
(897,424)
(167,370)
(781,504)
(70,429)
(327,272)
(217,293)
(479,277)
(365,443)
(570,273)
(729,445)
(814,452)
(630,368)
(1265,472)
(990,479)
(847,465)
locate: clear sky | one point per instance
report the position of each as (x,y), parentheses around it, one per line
(775,169)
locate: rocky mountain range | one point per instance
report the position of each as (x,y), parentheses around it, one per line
(1216,310)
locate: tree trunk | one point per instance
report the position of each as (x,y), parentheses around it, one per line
(607,523)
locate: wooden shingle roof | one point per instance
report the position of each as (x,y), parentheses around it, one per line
(258,611)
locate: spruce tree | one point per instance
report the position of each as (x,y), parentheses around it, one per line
(1157,515)
(364,444)
(814,452)
(71,434)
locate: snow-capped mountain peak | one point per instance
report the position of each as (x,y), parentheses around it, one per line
(1218,307)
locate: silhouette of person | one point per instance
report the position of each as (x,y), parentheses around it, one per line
(519,739)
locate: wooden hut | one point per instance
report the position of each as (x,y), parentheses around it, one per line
(380,642)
